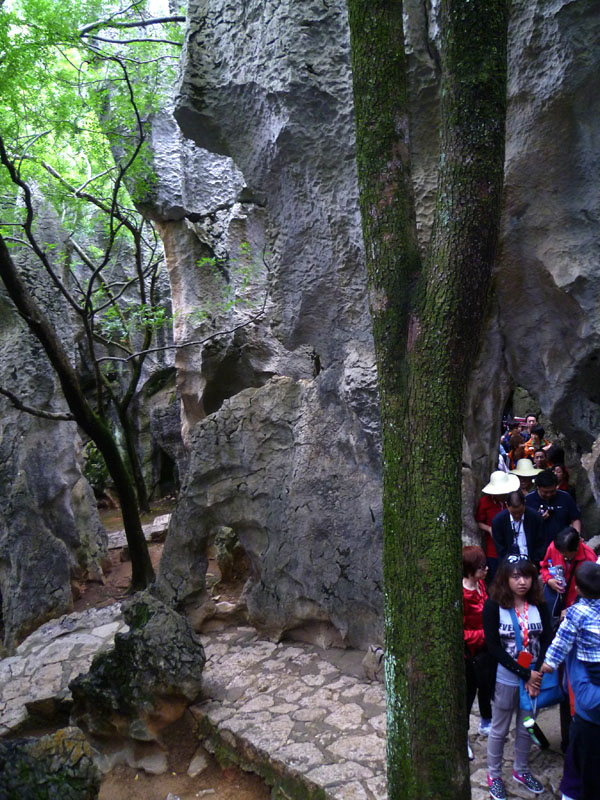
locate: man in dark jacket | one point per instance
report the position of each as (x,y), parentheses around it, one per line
(518,530)
(556,508)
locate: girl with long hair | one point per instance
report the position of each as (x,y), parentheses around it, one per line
(516,589)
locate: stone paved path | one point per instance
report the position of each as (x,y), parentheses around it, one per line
(292,712)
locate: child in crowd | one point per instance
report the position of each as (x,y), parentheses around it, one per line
(581,626)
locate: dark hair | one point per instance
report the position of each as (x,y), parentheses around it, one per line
(540,450)
(587,580)
(556,455)
(567,540)
(517,493)
(500,590)
(473,558)
(546,479)
(538,430)
(516,440)
(531,414)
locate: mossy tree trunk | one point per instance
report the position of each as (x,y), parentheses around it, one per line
(426,323)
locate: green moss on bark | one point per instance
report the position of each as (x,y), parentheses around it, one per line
(426,323)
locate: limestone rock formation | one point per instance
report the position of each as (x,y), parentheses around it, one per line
(147,680)
(280,415)
(266,89)
(50,531)
(290,468)
(54,767)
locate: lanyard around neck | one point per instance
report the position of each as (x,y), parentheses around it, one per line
(524,623)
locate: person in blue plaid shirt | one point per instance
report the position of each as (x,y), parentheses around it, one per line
(581,626)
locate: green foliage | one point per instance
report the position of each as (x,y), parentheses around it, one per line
(94,468)
(66,100)
(233,278)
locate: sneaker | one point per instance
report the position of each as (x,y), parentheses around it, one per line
(529,782)
(470,752)
(497,790)
(485,726)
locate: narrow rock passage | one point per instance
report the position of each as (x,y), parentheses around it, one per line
(295,714)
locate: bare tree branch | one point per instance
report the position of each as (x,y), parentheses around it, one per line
(93,178)
(249,321)
(142,23)
(36,412)
(130,41)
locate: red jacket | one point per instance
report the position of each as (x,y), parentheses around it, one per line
(472,621)
(487,508)
(584,553)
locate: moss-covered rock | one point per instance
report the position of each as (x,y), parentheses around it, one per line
(147,680)
(55,767)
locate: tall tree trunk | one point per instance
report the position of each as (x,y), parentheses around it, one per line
(134,459)
(426,327)
(142,572)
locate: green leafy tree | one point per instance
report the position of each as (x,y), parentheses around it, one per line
(426,315)
(78,84)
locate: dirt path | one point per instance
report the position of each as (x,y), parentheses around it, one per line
(213,783)
(124,783)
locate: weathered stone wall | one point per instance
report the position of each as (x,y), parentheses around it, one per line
(547,306)
(288,455)
(266,89)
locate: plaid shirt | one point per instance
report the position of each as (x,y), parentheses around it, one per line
(581,626)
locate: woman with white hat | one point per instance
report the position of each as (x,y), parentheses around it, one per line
(491,503)
(525,472)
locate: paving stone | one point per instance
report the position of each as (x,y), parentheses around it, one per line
(259,703)
(283,705)
(300,755)
(314,680)
(342,772)
(350,791)
(345,717)
(272,736)
(379,723)
(284,708)
(378,787)
(362,748)
(309,714)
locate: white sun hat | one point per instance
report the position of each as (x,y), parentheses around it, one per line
(502,483)
(525,469)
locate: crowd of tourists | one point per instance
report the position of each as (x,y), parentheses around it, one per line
(531,600)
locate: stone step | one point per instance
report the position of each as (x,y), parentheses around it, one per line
(154,531)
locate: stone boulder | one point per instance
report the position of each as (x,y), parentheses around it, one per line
(229,554)
(55,767)
(295,486)
(146,681)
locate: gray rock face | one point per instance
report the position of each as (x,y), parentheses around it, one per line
(290,460)
(266,86)
(50,531)
(543,326)
(146,681)
(291,467)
